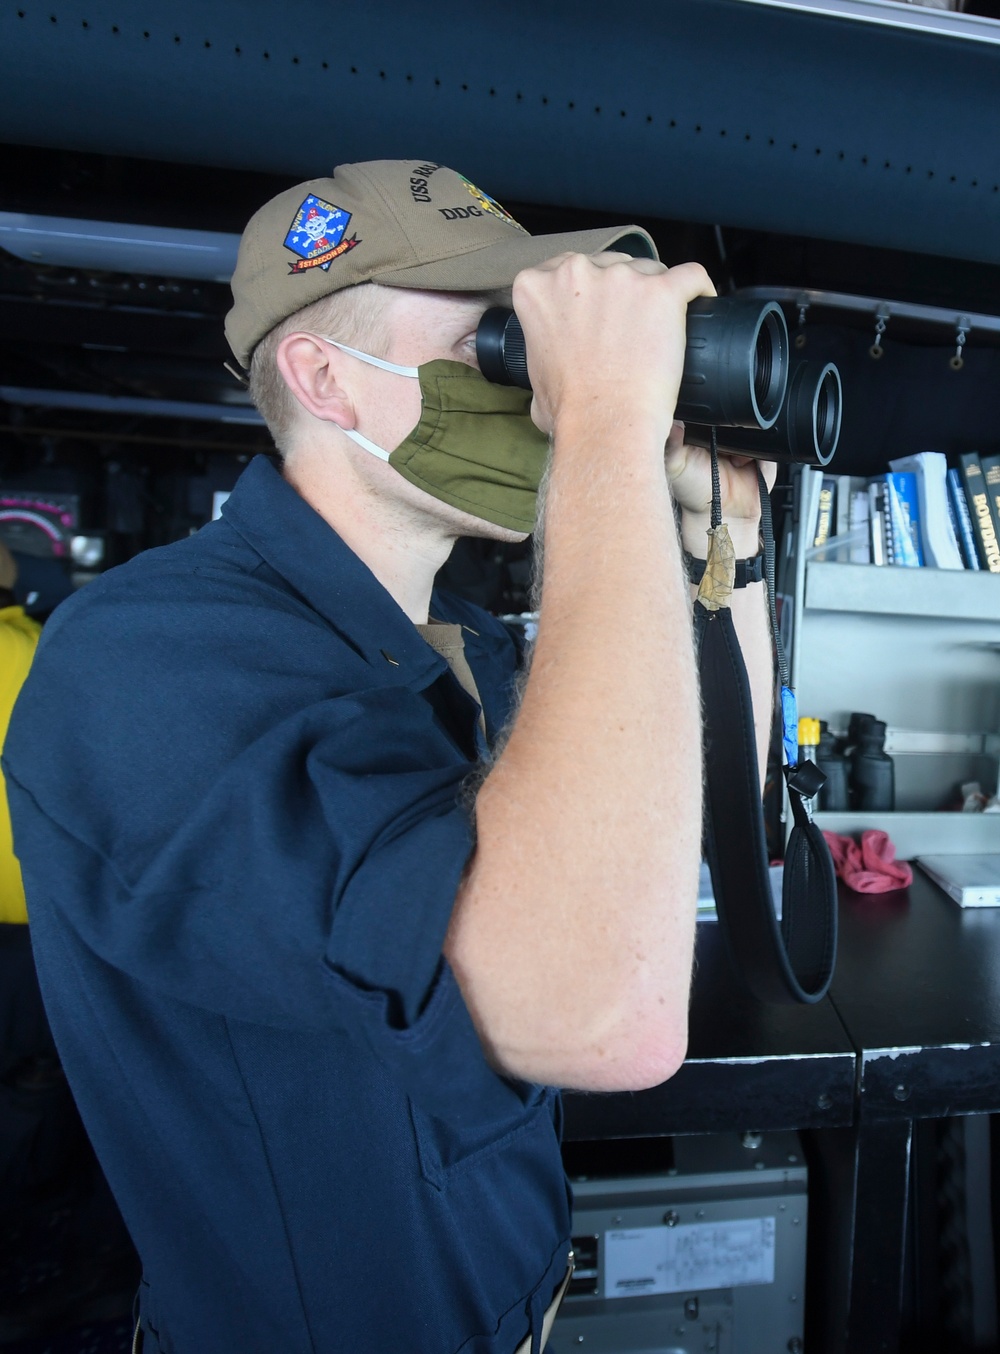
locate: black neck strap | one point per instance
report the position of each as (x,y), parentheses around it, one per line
(796,961)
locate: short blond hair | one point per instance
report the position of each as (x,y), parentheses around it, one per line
(356,315)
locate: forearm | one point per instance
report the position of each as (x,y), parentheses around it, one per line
(582,889)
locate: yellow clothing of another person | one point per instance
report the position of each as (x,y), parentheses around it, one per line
(18,640)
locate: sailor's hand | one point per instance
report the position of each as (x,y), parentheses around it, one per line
(689,472)
(605,336)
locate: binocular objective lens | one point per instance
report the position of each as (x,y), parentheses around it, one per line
(763,355)
(828,414)
(769,366)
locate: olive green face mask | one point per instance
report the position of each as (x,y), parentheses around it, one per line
(475,446)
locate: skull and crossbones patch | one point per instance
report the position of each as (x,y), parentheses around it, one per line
(317,233)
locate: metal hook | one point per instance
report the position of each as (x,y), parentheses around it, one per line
(962,326)
(881,320)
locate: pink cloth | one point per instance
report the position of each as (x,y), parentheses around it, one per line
(871,867)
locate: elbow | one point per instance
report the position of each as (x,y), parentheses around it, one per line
(647,1050)
(628,1054)
(660,1063)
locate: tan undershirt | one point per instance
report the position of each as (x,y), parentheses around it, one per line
(446,639)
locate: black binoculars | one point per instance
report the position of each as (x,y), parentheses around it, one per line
(738,376)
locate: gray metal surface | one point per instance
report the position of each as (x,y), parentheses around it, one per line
(919,649)
(123,248)
(726,1227)
(892,14)
(750,115)
(804,298)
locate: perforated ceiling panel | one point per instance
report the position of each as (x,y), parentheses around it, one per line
(704,110)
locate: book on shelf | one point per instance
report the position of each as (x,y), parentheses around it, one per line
(918,513)
(795,536)
(902,519)
(940,547)
(784,563)
(860,529)
(850,531)
(823,529)
(810,483)
(991,477)
(956,524)
(842,504)
(876,498)
(962,519)
(972,880)
(974,484)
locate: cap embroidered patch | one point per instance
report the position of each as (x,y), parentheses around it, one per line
(489,204)
(316,234)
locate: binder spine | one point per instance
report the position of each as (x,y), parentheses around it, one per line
(987,546)
(963,520)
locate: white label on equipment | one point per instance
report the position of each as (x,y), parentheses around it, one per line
(691,1258)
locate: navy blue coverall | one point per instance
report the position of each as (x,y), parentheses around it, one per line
(234,778)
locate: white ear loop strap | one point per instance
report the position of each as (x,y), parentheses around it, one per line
(374,361)
(363,441)
(380,362)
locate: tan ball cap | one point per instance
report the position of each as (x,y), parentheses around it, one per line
(403,223)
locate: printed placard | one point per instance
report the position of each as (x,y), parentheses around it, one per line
(689,1258)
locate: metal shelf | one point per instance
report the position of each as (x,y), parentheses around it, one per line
(891,14)
(878,307)
(947,594)
(915,834)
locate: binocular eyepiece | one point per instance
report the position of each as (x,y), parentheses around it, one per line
(737,375)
